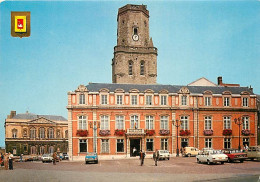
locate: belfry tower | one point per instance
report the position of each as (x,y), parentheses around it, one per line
(135,57)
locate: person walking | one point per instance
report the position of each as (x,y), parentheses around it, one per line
(6,161)
(155,157)
(142,156)
(21,158)
(10,157)
(54,158)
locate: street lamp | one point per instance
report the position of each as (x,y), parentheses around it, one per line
(239,122)
(95,126)
(177,123)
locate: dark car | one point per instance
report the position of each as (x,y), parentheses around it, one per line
(235,155)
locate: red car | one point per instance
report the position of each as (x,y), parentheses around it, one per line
(235,155)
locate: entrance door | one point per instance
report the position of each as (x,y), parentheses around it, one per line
(184,142)
(134,147)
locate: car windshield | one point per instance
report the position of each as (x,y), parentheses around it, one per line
(216,152)
(46,155)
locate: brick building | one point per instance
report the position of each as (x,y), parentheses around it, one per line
(35,134)
(134,112)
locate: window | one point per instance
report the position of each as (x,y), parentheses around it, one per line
(245,102)
(164,122)
(104,99)
(184,100)
(119,99)
(104,123)
(208,142)
(58,134)
(14,133)
(184,123)
(66,134)
(130,68)
(51,133)
(120,122)
(142,68)
(245,141)
(82,145)
(42,149)
(226,101)
(24,132)
(32,133)
(227,143)
(149,144)
(51,150)
(134,122)
(82,122)
(207,101)
(81,99)
(135,31)
(227,122)
(245,123)
(42,133)
(33,150)
(208,123)
(134,99)
(148,100)
(149,122)
(120,145)
(164,144)
(163,100)
(104,146)
(184,142)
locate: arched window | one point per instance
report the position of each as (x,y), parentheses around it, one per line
(33,133)
(66,134)
(42,150)
(142,68)
(33,150)
(51,133)
(41,133)
(51,150)
(24,132)
(14,133)
(58,134)
(130,68)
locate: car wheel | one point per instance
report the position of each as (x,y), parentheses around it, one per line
(42,161)
(241,161)
(221,162)
(208,162)
(86,162)
(168,158)
(229,160)
(96,162)
(198,161)
(189,155)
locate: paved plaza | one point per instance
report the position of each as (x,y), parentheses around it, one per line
(176,169)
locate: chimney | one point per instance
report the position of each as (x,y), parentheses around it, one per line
(12,114)
(220,80)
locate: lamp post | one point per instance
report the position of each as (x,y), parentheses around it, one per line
(239,122)
(177,124)
(95,126)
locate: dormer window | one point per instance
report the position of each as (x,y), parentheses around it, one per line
(226,101)
(245,101)
(81,99)
(184,100)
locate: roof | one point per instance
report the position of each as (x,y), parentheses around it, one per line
(30,116)
(202,82)
(112,87)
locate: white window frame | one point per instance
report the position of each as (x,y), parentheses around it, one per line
(227,140)
(149,122)
(148,100)
(51,134)
(246,123)
(105,146)
(227,122)
(208,143)
(119,99)
(150,140)
(86,141)
(164,122)
(104,122)
(208,122)
(163,100)
(164,143)
(14,133)
(32,132)
(134,119)
(120,122)
(245,101)
(82,122)
(208,100)
(82,98)
(184,102)
(104,99)
(41,132)
(121,140)
(184,122)
(134,100)
(226,101)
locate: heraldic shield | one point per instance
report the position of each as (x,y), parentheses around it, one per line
(20,24)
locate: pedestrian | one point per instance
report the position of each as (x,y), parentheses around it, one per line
(21,158)
(134,151)
(142,156)
(6,161)
(10,157)
(246,147)
(155,157)
(54,158)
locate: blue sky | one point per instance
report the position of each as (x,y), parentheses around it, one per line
(72,43)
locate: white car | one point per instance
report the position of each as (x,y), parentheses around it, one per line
(211,156)
(163,154)
(47,158)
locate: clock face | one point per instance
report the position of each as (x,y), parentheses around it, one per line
(135,37)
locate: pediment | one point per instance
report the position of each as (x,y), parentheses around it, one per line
(184,90)
(164,91)
(226,93)
(245,93)
(103,90)
(149,91)
(81,88)
(207,92)
(41,120)
(119,90)
(134,91)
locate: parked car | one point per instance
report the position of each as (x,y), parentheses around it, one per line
(47,158)
(253,152)
(65,156)
(235,155)
(91,157)
(211,156)
(163,154)
(190,151)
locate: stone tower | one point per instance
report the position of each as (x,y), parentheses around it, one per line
(135,57)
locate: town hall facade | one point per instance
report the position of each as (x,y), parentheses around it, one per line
(136,113)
